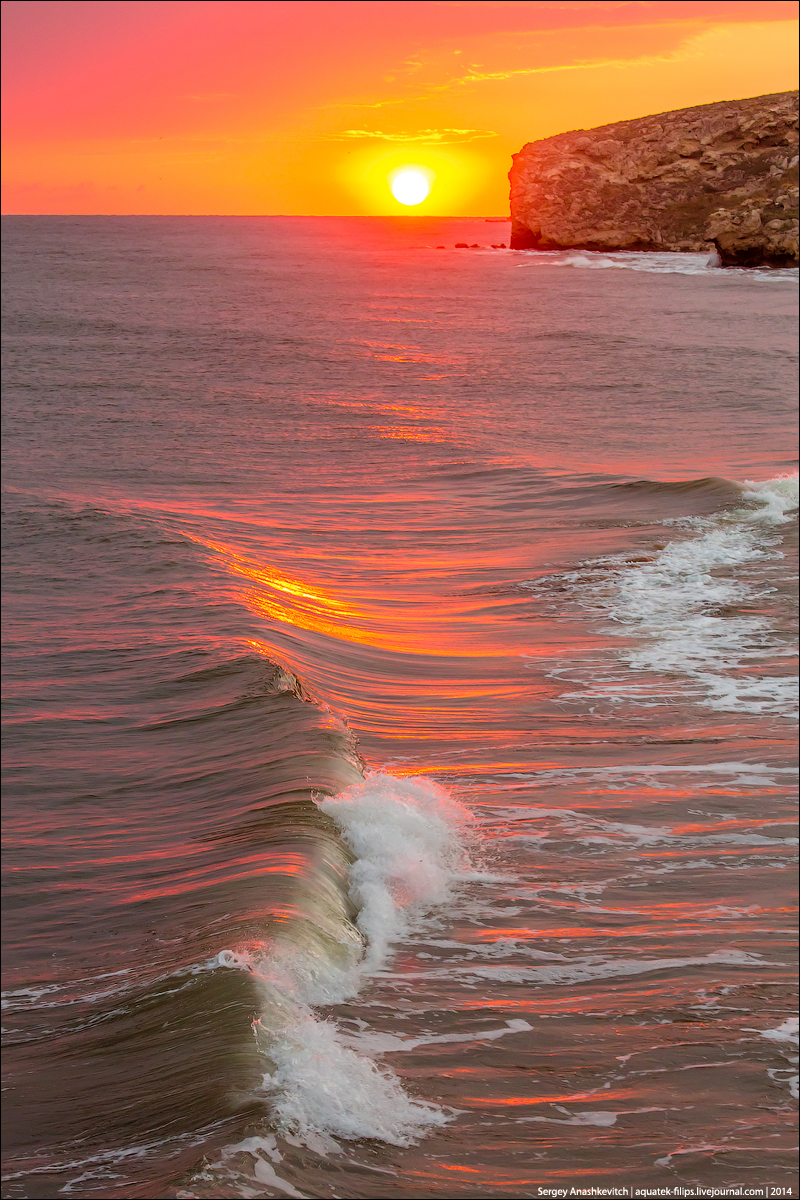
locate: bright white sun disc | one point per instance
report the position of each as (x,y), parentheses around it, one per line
(410,187)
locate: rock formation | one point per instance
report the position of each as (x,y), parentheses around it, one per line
(719,175)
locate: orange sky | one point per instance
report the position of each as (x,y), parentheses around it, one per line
(264,106)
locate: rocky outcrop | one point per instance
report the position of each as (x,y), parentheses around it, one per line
(719,175)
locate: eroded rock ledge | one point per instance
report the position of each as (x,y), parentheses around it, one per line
(720,175)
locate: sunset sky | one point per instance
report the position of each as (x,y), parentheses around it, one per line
(244,106)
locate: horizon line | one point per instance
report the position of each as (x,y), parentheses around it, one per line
(285,216)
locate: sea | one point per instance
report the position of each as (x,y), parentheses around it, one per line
(399,714)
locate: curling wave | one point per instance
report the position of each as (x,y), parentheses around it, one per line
(408,841)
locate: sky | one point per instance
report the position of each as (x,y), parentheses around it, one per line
(310,106)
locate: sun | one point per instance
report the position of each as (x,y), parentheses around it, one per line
(410,186)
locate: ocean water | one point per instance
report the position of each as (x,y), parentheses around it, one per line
(400,713)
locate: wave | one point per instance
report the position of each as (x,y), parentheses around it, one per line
(407,839)
(688,611)
(238,1039)
(723,491)
(272,877)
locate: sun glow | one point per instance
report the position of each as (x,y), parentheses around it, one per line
(410,186)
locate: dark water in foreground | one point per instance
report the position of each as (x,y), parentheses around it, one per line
(399,694)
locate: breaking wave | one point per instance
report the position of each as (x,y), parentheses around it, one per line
(691,611)
(408,842)
(652,262)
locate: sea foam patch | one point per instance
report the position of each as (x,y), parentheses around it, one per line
(655,262)
(685,613)
(320,1085)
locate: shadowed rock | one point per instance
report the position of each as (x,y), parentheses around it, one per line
(718,176)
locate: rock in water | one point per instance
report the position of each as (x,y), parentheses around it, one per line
(720,175)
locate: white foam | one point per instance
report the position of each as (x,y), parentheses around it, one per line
(69,992)
(670,607)
(408,837)
(653,263)
(603,1119)
(385,1043)
(583,970)
(789,1031)
(779,497)
(321,1085)
(100,1166)
(263,1170)
(746,774)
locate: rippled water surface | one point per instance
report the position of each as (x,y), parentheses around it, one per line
(399,713)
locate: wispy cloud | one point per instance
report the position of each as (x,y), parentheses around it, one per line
(422,135)
(475,75)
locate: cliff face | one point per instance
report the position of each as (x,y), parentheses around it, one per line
(719,175)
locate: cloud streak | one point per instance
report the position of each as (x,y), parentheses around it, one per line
(433,136)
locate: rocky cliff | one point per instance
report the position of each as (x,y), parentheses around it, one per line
(719,175)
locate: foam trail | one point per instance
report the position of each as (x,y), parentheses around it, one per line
(654,262)
(263,1170)
(408,839)
(682,610)
(789,1031)
(674,599)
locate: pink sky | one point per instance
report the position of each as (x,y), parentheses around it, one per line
(240,106)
